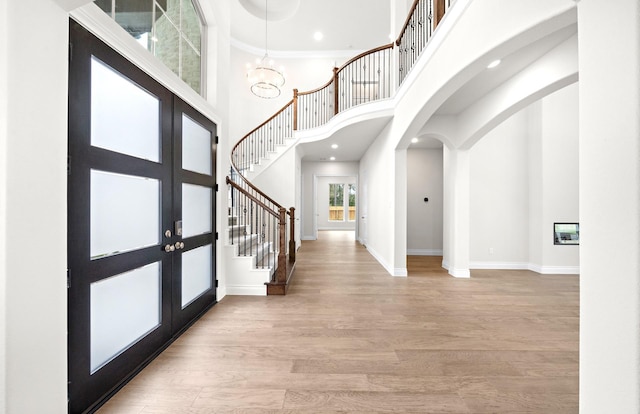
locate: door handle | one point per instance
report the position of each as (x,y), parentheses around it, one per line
(169,248)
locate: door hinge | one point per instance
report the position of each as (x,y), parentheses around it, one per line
(68,278)
(68,164)
(70,52)
(217,139)
(216,282)
(217,188)
(216,235)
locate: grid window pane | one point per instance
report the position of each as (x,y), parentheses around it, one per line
(336,202)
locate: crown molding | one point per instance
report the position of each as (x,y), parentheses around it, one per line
(295,54)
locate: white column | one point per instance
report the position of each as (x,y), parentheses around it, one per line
(36,190)
(456,212)
(609,50)
(3,197)
(400,216)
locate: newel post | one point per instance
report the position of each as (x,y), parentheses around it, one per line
(295,109)
(281,272)
(438,12)
(336,91)
(292,235)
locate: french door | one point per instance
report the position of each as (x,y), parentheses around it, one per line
(141,222)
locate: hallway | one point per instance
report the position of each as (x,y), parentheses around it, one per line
(348,337)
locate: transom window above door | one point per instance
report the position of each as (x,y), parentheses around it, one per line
(170,29)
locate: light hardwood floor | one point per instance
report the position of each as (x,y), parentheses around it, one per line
(349,338)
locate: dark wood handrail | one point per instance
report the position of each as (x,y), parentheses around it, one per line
(254,188)
(363,54)
(284,108)
(406,22)
(317,89)
(350,61)
(237,170)
(253,198)
(295,109)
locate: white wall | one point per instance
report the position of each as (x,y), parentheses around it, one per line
(536,186)
(217,17)
(319,169)
(499,202)
(3,196)
(524,177)
(35,133)
(609,49)
(378,170)
(559,178)
(424,220)
(278,179)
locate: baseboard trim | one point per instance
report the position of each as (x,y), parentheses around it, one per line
(380,260)
(499,266)
(424,252)
(554,270)
(457,273)
(543,270)
(400,272)
(221,292)
(460,273)
(313,238)
(259,290)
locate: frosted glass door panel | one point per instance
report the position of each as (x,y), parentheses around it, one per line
(124,117)
(124,309)
(196,210)
(196,273)
(125,213)
(196,147)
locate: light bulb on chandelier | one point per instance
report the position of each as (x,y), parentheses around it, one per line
(264,78)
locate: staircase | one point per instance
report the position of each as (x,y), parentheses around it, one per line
(260,238)
(260,232)
(251,260)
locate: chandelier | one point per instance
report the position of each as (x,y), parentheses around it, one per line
(264,78)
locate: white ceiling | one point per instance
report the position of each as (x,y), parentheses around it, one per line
(346,24)
(352,142)
(510,65)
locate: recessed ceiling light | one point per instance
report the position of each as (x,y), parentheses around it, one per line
(414,140)
(334,146)
(493,64)
(332,158)
(318,36)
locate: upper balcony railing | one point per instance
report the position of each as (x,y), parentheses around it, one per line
(418,28)
(365,78)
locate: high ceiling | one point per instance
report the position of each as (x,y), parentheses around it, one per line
(358,25)
(345,24)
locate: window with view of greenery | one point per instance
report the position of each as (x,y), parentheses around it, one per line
(170,29)
(352,202)
(336,202)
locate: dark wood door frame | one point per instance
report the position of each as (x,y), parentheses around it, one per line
(88,391)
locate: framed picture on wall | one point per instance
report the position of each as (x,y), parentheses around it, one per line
(566,233)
